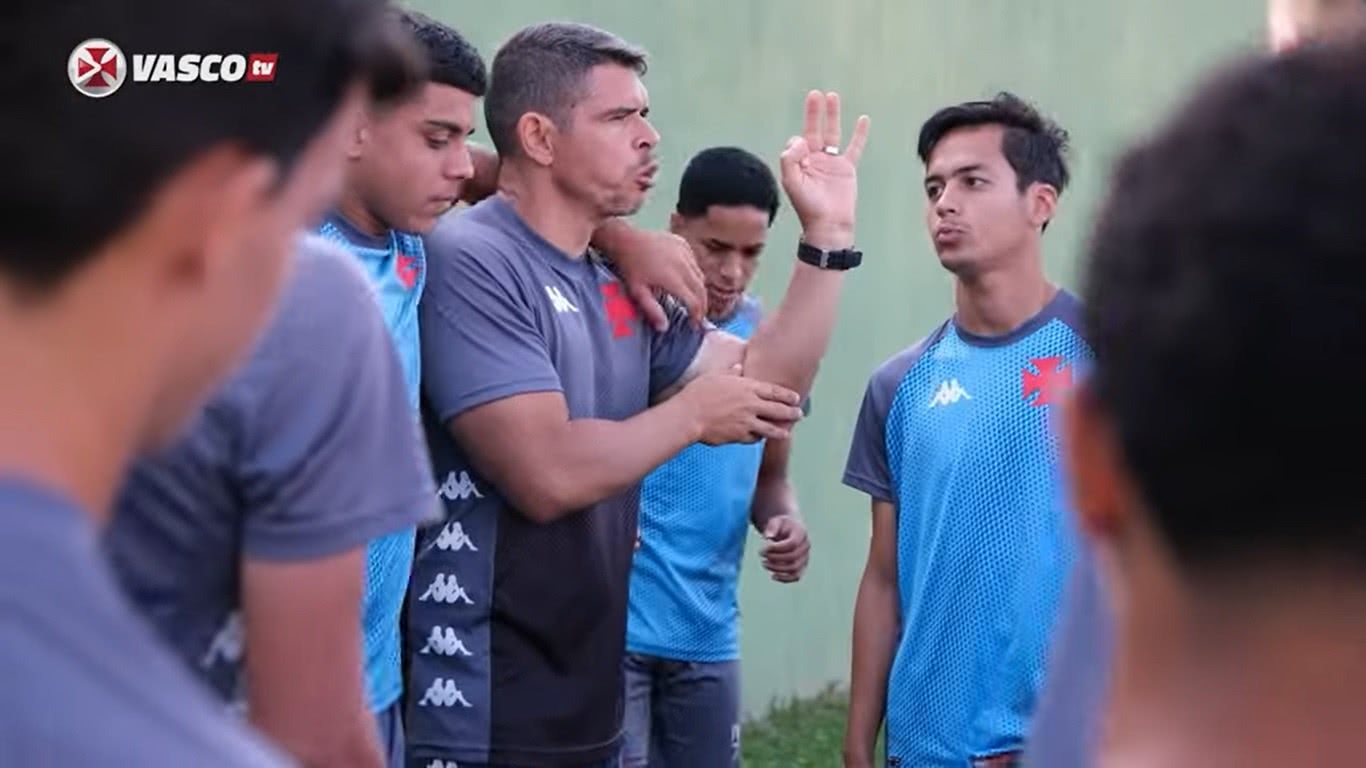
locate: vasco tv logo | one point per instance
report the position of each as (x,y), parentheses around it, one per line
(98,68)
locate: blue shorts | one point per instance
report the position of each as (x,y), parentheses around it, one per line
(681,713)
(391,743)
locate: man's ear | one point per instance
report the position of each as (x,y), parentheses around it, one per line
(1094,470)
(205,208)
(537,134)
(356,147)
(1042,202)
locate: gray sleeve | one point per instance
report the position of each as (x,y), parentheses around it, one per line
(331,452)
(867,468)
(1065,730)
(480,342)
(672,351)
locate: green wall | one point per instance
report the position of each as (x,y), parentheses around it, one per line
(735,72)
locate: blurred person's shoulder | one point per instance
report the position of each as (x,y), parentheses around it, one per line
(86,679)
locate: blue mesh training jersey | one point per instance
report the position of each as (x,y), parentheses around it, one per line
(397,267)
(694,513)
(956,432)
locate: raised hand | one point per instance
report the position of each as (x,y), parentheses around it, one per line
(819,178)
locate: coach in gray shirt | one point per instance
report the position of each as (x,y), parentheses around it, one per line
(548,399)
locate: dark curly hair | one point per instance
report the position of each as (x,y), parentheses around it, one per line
(1225,287)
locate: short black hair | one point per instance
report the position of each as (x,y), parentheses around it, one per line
(542,69)
(451,59)
(1034,146)
(727,176)
(80,169)
(1225,284)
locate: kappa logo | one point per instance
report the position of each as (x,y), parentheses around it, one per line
(458,487)
(949,393)
(445,589)
(444,693)
(453,539)
(98,67)
(557,300)
(439,763)
(444,642)
(228,644)
(621,313)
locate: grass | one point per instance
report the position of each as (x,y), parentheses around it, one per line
(807,733)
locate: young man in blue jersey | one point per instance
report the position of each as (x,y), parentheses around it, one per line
(682,665)
(547,399)
(125,297)
(1068,729)
(953,443)
(1227,530)
(409,162)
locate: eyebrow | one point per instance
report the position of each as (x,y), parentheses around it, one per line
(623,111)
(443,125)
(959,171)
(734,246)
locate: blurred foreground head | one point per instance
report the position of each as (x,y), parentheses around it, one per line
(152,200)
(1290,23)
(1225,286)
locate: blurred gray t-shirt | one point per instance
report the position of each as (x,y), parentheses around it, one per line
(85,680)
(311,449)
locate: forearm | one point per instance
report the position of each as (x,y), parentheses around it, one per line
(875,632)
(788,347)
(612,236)
(484,182)
(305,688)
(773,498)
(589,460)
(349,742)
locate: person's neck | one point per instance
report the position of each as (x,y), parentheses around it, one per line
(57,429)
(995,302)
(1261,672)
(548,211)
(352,208)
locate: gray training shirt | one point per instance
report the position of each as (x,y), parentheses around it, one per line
(85,681)
(516,629)
(311,449)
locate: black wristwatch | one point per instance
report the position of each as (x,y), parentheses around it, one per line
(846,258)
